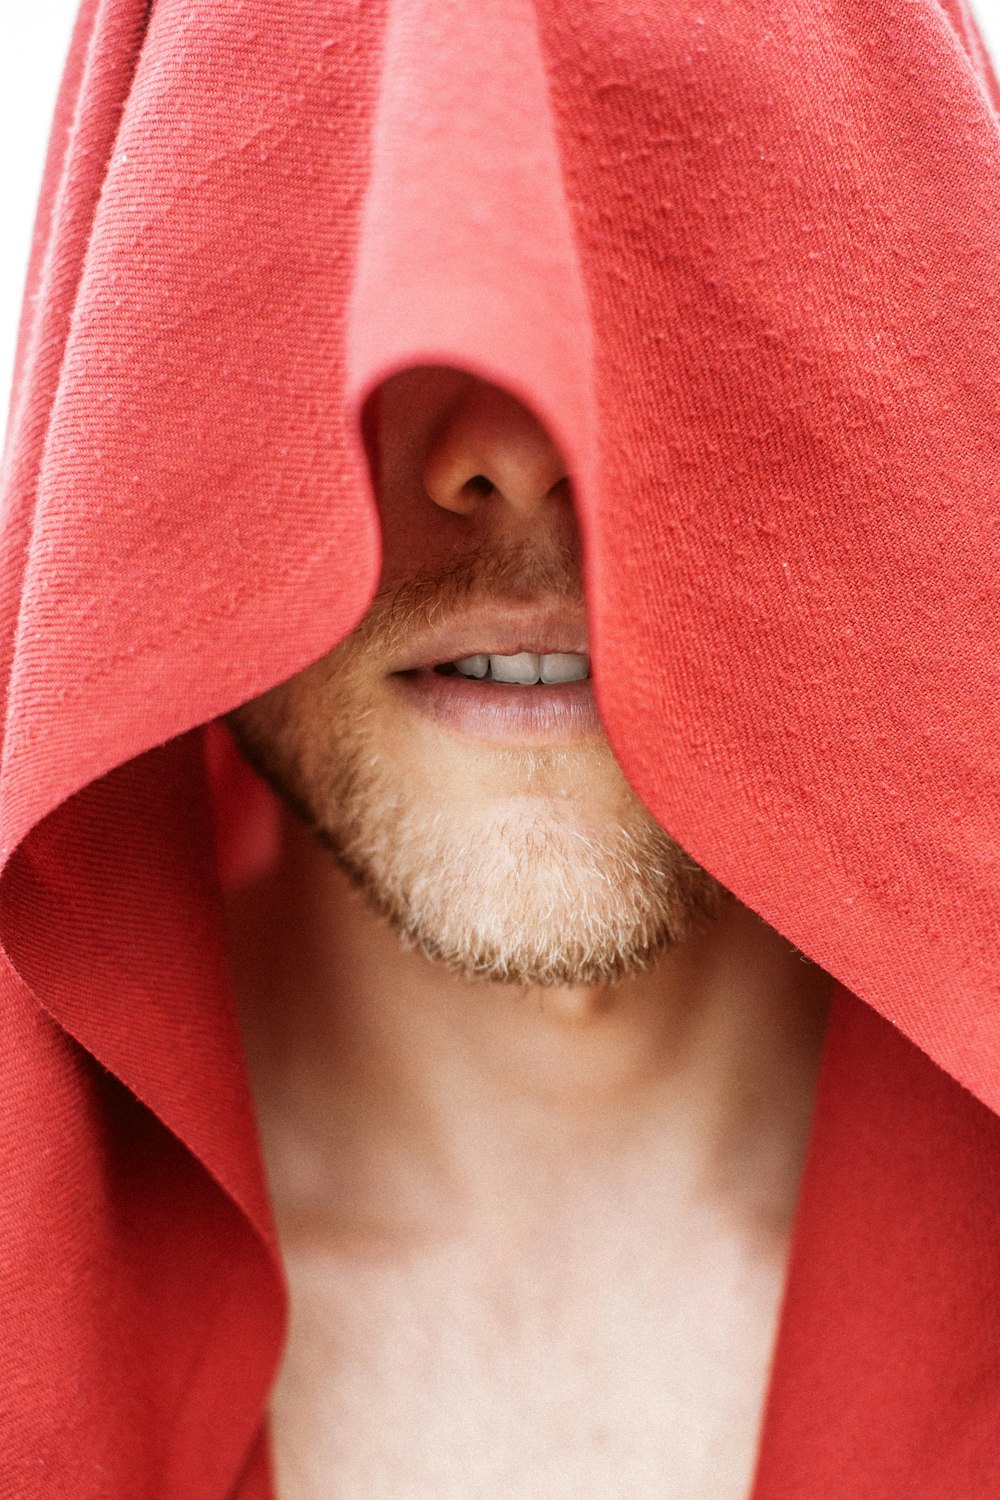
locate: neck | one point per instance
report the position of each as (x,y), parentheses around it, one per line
(396,1095)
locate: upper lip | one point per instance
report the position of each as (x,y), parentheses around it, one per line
(498,630)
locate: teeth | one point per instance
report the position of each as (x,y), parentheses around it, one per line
(527,667)
(521,668)
(473,666)
(564,666)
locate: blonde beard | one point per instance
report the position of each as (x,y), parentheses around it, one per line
(531,907)
(560,900)
(550,902)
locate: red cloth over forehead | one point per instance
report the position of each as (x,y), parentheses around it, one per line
(741,258)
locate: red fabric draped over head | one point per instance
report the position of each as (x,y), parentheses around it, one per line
(741,258)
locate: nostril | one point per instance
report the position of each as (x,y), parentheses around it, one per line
(487,449)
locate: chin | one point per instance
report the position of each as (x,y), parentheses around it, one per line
(529,900)
(546,871)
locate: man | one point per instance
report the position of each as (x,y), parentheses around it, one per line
(538,1135)
(367,341)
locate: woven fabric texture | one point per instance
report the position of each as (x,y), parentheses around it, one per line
(741,257)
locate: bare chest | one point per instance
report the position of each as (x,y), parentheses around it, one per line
(626,1371)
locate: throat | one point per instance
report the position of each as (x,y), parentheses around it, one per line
(410,1098)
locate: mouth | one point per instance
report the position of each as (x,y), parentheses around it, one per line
(521,669)
(522,631)
(505,677)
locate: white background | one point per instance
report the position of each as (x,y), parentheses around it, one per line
(34,36)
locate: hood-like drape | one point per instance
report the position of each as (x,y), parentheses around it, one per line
(741,258)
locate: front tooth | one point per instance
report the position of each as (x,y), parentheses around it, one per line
(563,666)
(473,666)
(520,668)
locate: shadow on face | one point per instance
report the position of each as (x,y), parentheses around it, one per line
(449,752)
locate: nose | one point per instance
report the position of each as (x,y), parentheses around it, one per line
(491,449)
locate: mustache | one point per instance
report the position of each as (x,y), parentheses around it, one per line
(493,572)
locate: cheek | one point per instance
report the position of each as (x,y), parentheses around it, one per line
(288,728)
(417,535)
(416,540)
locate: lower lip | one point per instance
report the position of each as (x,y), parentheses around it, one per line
(504,713)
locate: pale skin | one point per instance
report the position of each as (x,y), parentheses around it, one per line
(534,1193)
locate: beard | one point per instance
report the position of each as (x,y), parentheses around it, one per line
(570,888)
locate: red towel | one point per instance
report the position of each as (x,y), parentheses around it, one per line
(741,257)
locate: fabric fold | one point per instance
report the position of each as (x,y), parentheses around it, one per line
(889,1376)
(789,238)
(467,253)
(741,260)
